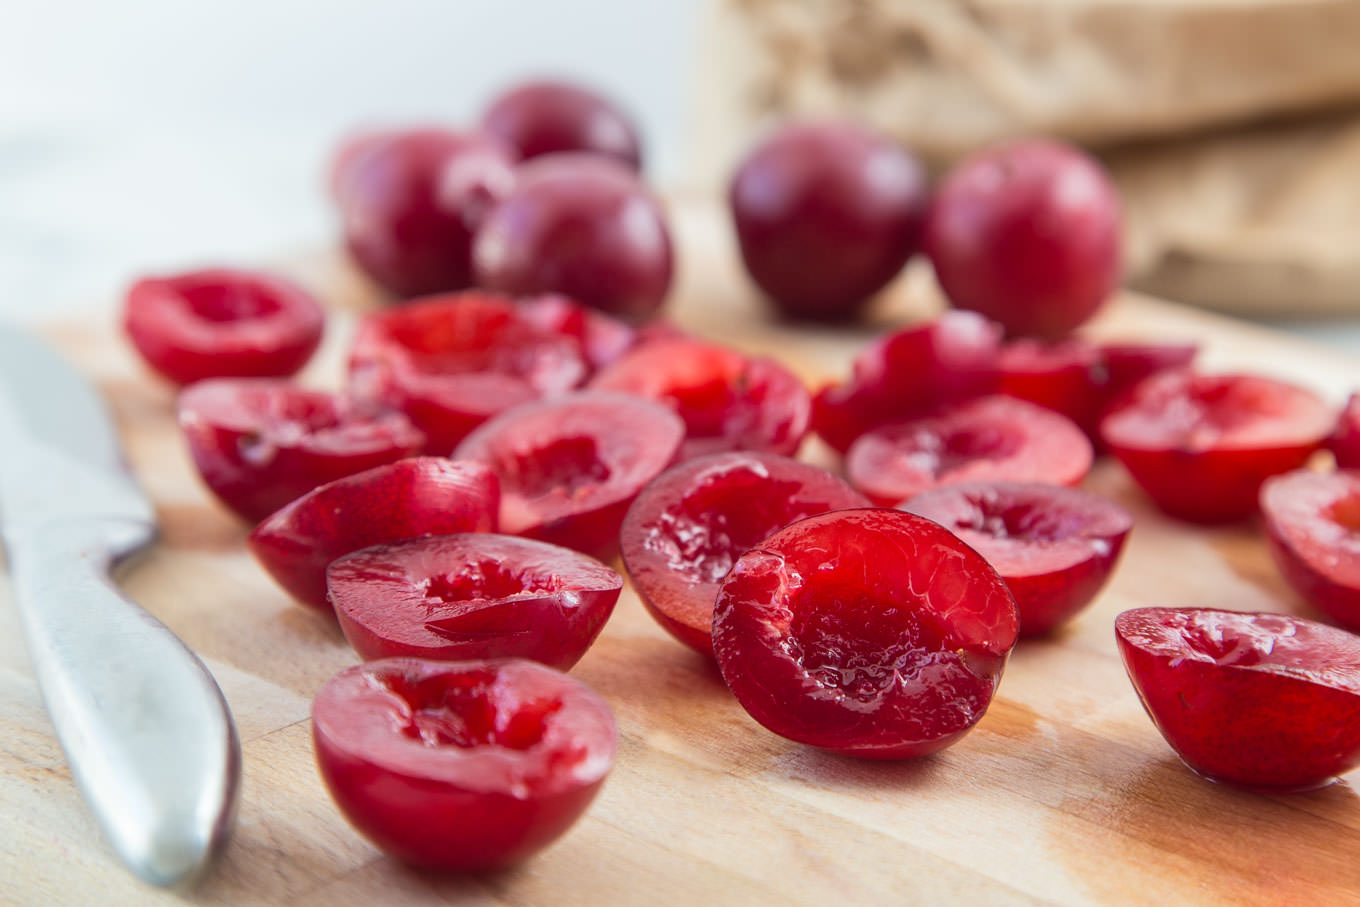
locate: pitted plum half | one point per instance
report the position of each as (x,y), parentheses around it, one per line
(220,323)
(409,498)
(873,633)
(472,595)
(1055,547)
(1201,445)
(992,438)
(260,443)
(687,528)
(570,466)
(451,362)
(1345,440)
(1313,527)
(908,373)
(729,401)
(461,767)
(1266,701)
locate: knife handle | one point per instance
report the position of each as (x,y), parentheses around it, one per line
(146,731)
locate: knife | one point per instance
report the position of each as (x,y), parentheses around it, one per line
(145,729)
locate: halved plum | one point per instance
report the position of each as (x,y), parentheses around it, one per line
(1313,528)
(1055,547)
(401,500)
(729,401)
(570,466)
(220,323)
(991,438)
(451,362)
(1345,440)
(873,633)
(602,338)
(1201,445)
(260,443)
(466,767)
(907,373)
(472,595)
(1266,701)
(686,529)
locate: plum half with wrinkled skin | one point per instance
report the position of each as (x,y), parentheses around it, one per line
(690,524)
(872,633)
(1266,701)
(472,595)
(1055,547)
(1312,523)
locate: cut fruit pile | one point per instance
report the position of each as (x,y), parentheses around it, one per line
(528,417)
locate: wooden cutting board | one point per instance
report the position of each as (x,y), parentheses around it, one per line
(1063,793)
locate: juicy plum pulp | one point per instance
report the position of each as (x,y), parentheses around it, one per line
(460,710)
(485,579)
(567,465)
(227,303)
(937,453)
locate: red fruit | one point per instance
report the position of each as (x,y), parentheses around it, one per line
(907,373)
(729,401)
(259,444)
(1067,376)
(451,362)
(1313,527)
(826,214)
(1055,547)
(688,527)
(1126,364)
(1266,701)
(222,323)
(601,338)
(411,202)
(1345,440)
(1201,445)
(1028,234)
(582,225)
(547,117)
(470,766)
(472,595)
(872,633)
(401,500)
(569,467)
(988,439)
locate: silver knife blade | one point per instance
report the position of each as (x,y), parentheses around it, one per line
(145,729)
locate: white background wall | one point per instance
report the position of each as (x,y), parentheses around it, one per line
(146,134)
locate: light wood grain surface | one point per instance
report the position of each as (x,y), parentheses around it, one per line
(1063,793)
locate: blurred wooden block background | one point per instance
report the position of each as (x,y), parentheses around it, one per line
(1232,126)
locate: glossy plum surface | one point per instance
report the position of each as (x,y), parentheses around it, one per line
(690,524)
(1345,440)
(1055,547)
(1027,233)
(872,633)
(729,401)
(569,467)
(259,443)
(1266,701)
(465,767)
(582,225)
(220,323)
(549,116)
(1201,445)
(990,438)
(472,595)
(907,373)
(1312,523)
(411,201)
(826,214)
(406,499)
(452,361)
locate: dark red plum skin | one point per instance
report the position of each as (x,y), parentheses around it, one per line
(1265,701)
(222,323)
(1055,547)
(409,498)
(1028,234)
(550,116)
(871,633)
(464,767)
(690,524)
(826,214)
(1312,523)
(1345,440)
